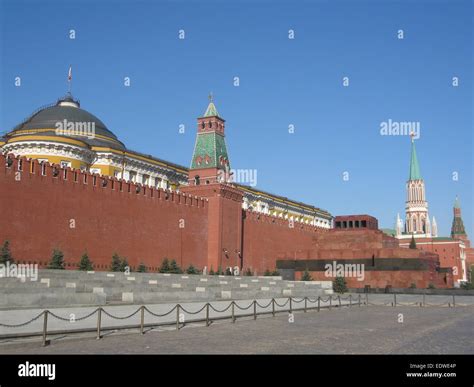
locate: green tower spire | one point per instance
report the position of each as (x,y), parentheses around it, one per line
(457,228)
(210,150)
(211,110)
(414,166)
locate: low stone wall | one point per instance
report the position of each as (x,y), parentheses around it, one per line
(440,292)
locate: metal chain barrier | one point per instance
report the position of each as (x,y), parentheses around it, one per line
(232,305)
(118,317)
(408,303)
(220,311)
(197,312)
(75,319)
(264,307)
(22,324)
(161,315)
(297,302)
(248,307)
(443,304)
(282,306)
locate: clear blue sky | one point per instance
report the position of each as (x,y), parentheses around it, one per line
(282,82)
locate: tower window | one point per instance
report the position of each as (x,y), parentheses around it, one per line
(210,124)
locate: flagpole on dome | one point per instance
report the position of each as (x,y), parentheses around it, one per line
(69,79)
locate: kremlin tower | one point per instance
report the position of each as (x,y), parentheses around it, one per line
(455,253)
(210,162)
(417,221)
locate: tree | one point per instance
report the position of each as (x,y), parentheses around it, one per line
(57,260)
(412,242)
(339,285)
(267,273)
(174,267)
(85,263)
(467,285)
(124,265)
(413,285)
(431,286)
(211,271)
(275,273)
(219,271)
(192,270)
(142,268)
(248,272)
(306,276)
(165,266)
(5,253)
(116,262)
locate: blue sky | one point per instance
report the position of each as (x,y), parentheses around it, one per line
(282,82)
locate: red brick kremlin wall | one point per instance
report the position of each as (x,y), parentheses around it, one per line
(265,237)
(37,213)
(144,227)
(143,224)
(448,251)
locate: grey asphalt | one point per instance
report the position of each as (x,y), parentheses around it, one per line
(364,330)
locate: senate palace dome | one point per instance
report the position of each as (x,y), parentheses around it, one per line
(50,121)
(63,133)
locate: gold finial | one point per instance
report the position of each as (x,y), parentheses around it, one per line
(412,135)
(211,97)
